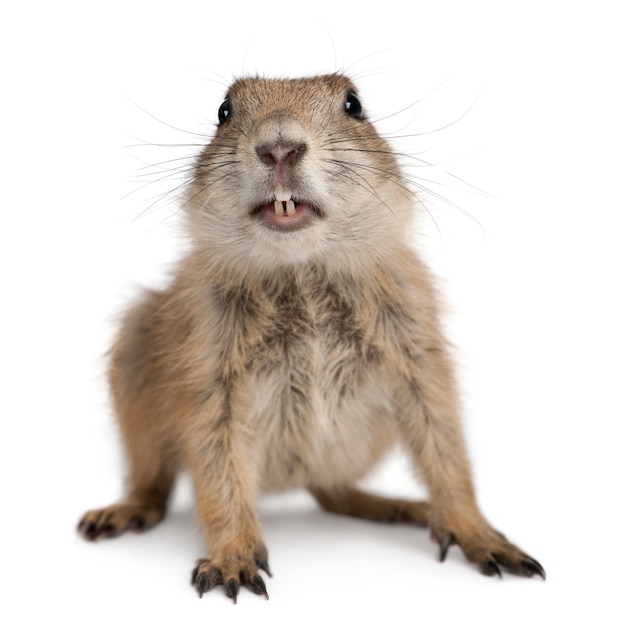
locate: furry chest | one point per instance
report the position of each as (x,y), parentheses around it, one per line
(311,374)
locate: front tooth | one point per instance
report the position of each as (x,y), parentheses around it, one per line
(283,194)
(290,208)
(278,208)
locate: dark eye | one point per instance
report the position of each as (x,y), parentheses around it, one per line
(224,111)
(352,106)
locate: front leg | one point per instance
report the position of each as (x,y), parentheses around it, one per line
(225,486)
(428,418)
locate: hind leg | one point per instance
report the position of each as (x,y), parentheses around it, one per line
(428,420)
(356,503)
(134,377)
(149,481)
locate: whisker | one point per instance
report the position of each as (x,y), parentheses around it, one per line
(367,186)
(148,144)
(204,187)
(181,130)
(421,163)
(405,187)
(169,176)
(169,193)
(161,164)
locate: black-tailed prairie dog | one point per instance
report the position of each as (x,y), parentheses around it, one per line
(297,342)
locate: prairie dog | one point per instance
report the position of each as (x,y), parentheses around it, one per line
(297,342)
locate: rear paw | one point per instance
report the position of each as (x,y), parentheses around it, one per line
(490,550)
(520,563)
(114,520)
(232,573)
(513,560)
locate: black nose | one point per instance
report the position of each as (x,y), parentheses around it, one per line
(281,153)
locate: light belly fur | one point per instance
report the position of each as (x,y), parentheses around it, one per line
(318,439)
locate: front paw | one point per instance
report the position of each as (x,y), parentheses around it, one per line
(232,572)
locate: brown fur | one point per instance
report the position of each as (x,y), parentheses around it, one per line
(292,358)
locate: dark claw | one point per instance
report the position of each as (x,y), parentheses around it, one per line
(201,583)
(89,530)
(263,565)
(490,568)
(397,516)
(531,567)
(258,586)
(205,576)
(95,532)
(137,524)
(108,530)
(205,581)
(232,587)
(444,544)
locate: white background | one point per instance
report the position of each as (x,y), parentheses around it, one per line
(531,274)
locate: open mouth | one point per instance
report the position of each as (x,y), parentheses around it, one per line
(286,212)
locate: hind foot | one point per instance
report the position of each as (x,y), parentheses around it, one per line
(355,503)
(487,548)
(114,520)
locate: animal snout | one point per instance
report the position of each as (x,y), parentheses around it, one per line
(280,154)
